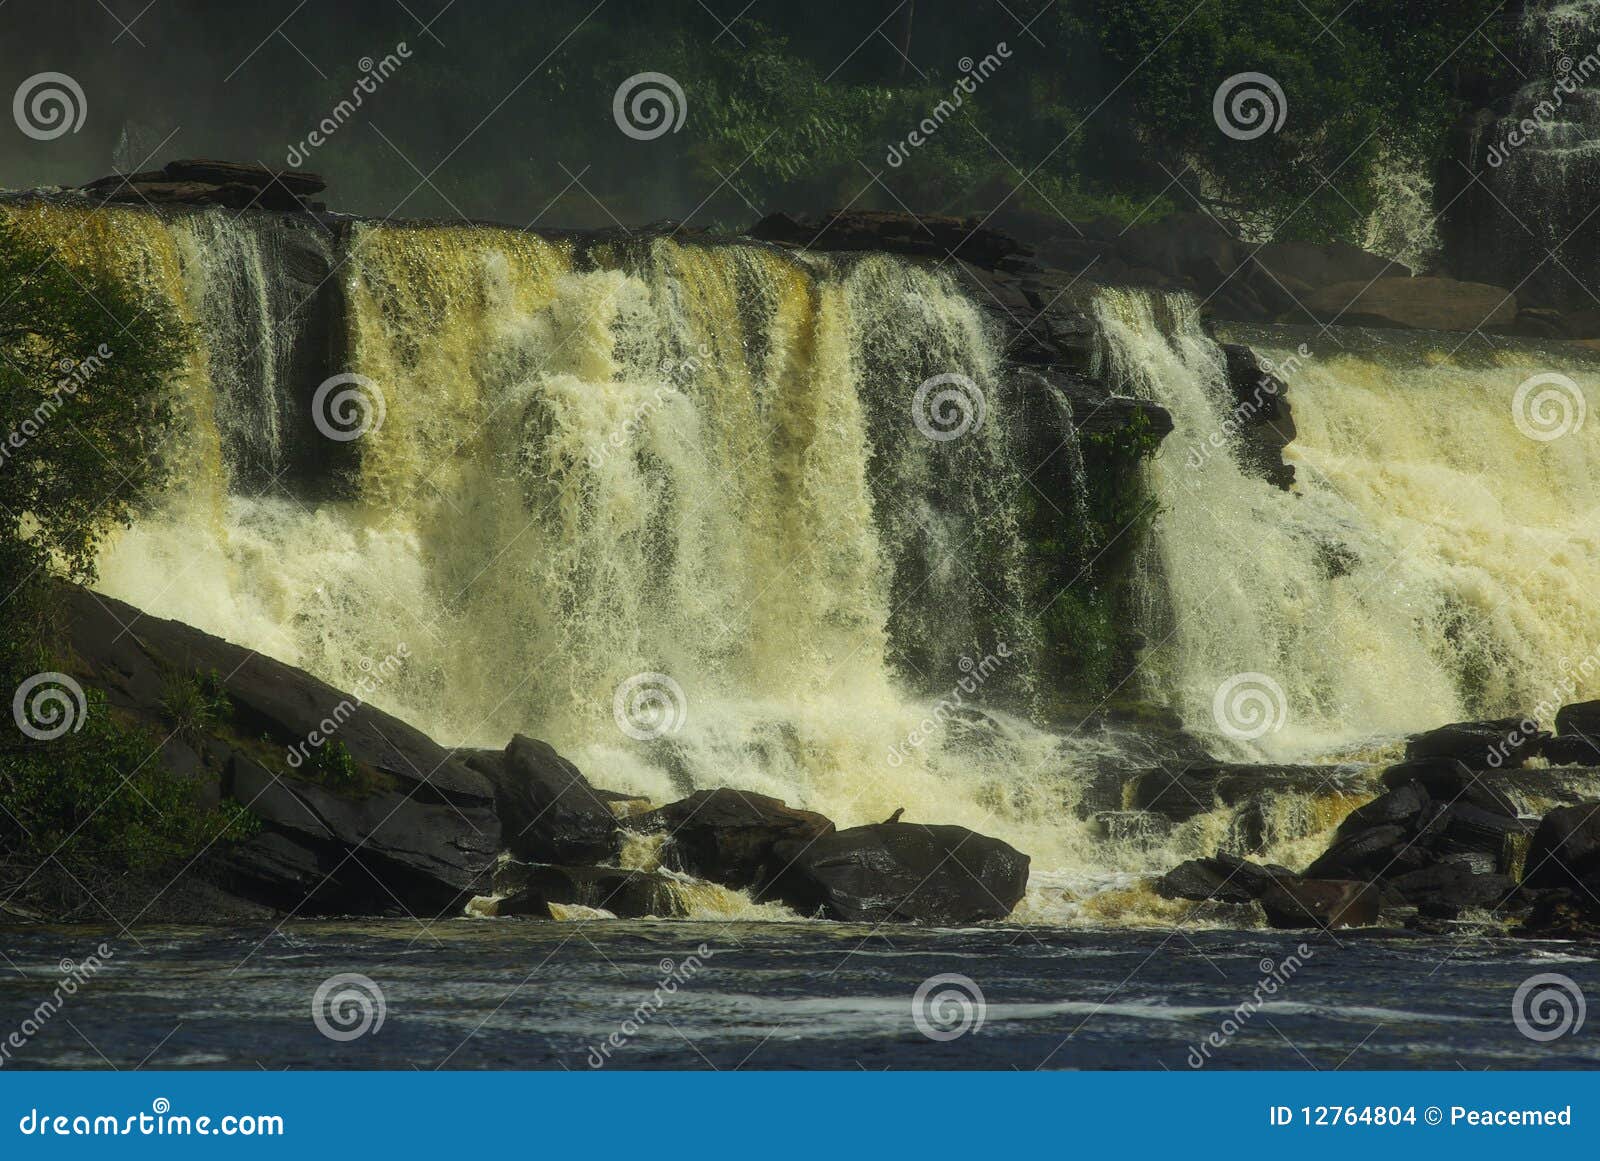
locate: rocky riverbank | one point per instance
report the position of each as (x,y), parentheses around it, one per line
(358,814)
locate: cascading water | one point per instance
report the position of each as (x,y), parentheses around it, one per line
(700,464)
(1436,559)
(695,462)
(1537,157)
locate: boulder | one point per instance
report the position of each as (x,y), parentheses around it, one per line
(1573,750)
(1448,780)
(1435,304)
(903,873)
(729,836)
(529,889)
(1223,879)
(1369,854)
(1326,903)
(1565,850)
(1581,718)
(1445,890)
(548,810)
(1504,743)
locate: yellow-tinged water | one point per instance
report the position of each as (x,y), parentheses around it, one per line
(698,462)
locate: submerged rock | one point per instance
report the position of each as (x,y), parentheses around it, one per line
(729,836)
(1223,879)
(903,873)
(1445,890)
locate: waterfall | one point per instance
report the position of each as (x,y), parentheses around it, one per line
(694,465)
(1436,560)
(687,511)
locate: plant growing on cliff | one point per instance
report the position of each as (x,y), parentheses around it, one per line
(85,412)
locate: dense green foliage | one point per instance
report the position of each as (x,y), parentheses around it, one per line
(84,414)
(101,800)
(503,108)
(85,366)
(1087,107)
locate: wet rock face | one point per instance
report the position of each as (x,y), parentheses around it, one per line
(1291,903)
(1502,743)
(530,889)
(1565,851)
(549,811)
(903,873)
(730,836)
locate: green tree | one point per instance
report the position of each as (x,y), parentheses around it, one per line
(85,410)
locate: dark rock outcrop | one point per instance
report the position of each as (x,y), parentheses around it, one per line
(1581,718)
(212,183)
(1565,850)
(1503,743)
(1577,740)
(529,889)
(1440,813)
(1291,903)
(903,873)
(730,836)
(410,830)
(1223,879)
(1263,424)
(549,812)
